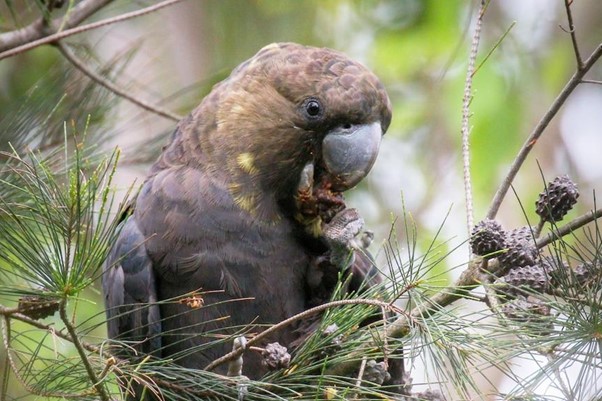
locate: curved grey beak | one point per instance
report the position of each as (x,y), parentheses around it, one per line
(349,153)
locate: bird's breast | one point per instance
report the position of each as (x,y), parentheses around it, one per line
(201,242)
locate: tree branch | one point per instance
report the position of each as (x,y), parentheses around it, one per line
(11,362)
(466,116)
(569,17)
(99,79)
(320,308)
(13,313)
(539,128)
(469,279)
(100,389)
(591,81)
(39,28)
(51,37)
(569,227)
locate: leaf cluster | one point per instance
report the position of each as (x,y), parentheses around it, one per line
(57,223)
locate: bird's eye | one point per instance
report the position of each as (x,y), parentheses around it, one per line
(312,108)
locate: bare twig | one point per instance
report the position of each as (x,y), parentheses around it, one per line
(490,294)
(300,316)
(4,311)
(98,385)
(538,228)
(569,227)
(466,116)
(559,379)
(591,81)
(385,340)
(583,300)
(14,314)
(569,17)
(99,79)
(51,38)
(360,374)
(38,29)
(539,128)
(14,368)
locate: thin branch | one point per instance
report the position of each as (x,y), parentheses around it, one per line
(51,38)
(15,370)
(99,79)
(569,227)
(466,116)
(39,28)
(559,380)
(385,340)
(592,303)
(491,297)
(100,388)
(459,45)
(4,311)
(539,128)
(539,228)
(13,313)
(591,81)
(569,17)
(400,327)
(360,374)
(300,316)
(6,341)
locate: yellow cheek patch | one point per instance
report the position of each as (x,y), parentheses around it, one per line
(246,162)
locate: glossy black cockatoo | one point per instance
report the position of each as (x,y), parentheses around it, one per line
(241,219)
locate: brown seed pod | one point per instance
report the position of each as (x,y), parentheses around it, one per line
(558,198)
(487,237)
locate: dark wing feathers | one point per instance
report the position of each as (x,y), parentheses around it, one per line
(130,293)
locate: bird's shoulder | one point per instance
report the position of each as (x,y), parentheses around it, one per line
(185,204)
(190,219)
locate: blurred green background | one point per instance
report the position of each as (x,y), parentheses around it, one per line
(418,48)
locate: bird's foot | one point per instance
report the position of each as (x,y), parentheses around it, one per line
(340,234)
(376,372)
